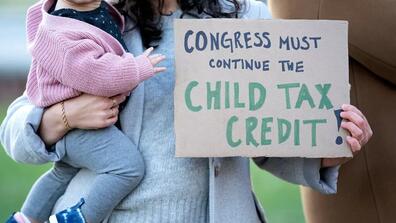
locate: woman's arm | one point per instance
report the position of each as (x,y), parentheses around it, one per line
(27,130)
(17,131)
(83,112)
(301,171)
(321,174)
(52,128)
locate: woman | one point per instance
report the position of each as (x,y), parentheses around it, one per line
(173,189)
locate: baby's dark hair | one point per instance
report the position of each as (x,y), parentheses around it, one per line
(146,14)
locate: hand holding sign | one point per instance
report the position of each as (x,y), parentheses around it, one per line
(260,88)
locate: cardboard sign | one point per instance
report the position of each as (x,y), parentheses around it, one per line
(260,88)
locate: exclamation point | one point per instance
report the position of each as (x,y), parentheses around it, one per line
(339,119)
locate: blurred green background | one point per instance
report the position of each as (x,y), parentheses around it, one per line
(281,200)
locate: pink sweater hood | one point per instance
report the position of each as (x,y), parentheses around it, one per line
(70,56)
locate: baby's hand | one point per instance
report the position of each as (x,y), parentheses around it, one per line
(155,59)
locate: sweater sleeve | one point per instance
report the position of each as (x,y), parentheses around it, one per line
(18,133)
(86,66)
(301,171)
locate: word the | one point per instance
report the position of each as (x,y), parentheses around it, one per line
(288,65)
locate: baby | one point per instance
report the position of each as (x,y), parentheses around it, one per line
(77,47)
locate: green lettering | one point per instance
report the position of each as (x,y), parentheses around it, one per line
(213,96)
(284,129)
(287,92)
(296,132)
(314,123)
(265,129)
(324,101)
(251,124)
(187,97)
(237,103)
(254,105)
(227,94)
(304,96)
(230,142)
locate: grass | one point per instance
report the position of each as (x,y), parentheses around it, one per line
(15,180)
(281,200)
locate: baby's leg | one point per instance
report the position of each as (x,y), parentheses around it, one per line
(46,191)
(115,159)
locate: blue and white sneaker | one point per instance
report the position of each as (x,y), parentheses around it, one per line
(11,219)
(18,217)
(70,215)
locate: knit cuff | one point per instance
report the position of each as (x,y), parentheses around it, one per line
(145,68)
(323,180)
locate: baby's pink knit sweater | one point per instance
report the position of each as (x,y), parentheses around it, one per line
(70,56)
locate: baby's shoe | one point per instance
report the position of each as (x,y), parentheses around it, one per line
(18,217)
(70,215)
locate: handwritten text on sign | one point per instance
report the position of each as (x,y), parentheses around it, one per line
(260,87)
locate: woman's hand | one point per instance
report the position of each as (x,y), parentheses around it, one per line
(83,112)
(359,129)
(92,112)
